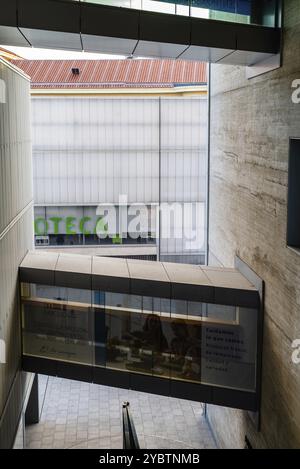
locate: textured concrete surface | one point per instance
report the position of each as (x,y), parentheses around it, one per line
(80,415)
(252,122)
(16,232)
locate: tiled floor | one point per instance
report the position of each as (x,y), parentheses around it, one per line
(81,415)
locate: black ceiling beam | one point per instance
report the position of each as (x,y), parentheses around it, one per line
(139,26)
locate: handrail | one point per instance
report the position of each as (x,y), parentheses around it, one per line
(130,439)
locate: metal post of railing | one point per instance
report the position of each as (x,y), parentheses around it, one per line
(130,439)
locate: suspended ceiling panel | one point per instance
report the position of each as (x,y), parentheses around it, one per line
(267,65)
(52,39)
(159,49)
(247,58)
(108,45)
(10,35)
(205,54)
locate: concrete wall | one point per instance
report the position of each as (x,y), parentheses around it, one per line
(16,235)
(251,125)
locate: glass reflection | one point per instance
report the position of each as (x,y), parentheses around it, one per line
(58,323)
(181,340)
(259,12)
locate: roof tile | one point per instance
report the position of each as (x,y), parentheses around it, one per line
(113,73)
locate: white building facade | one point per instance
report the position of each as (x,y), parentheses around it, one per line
(123,170)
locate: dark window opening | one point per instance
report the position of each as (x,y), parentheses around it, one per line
(90,240)
(293,219)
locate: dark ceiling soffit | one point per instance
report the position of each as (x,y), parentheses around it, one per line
(75,17)
(165,28)
(258,39)
(9,14)
(49,15)
(99,20)
(210,33)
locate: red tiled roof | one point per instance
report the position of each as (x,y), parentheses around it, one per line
(8,55)
(113,73)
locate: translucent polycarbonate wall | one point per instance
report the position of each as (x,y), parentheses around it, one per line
(262,12)
(88,151)
(180,340)
(92,151)
(183,179)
